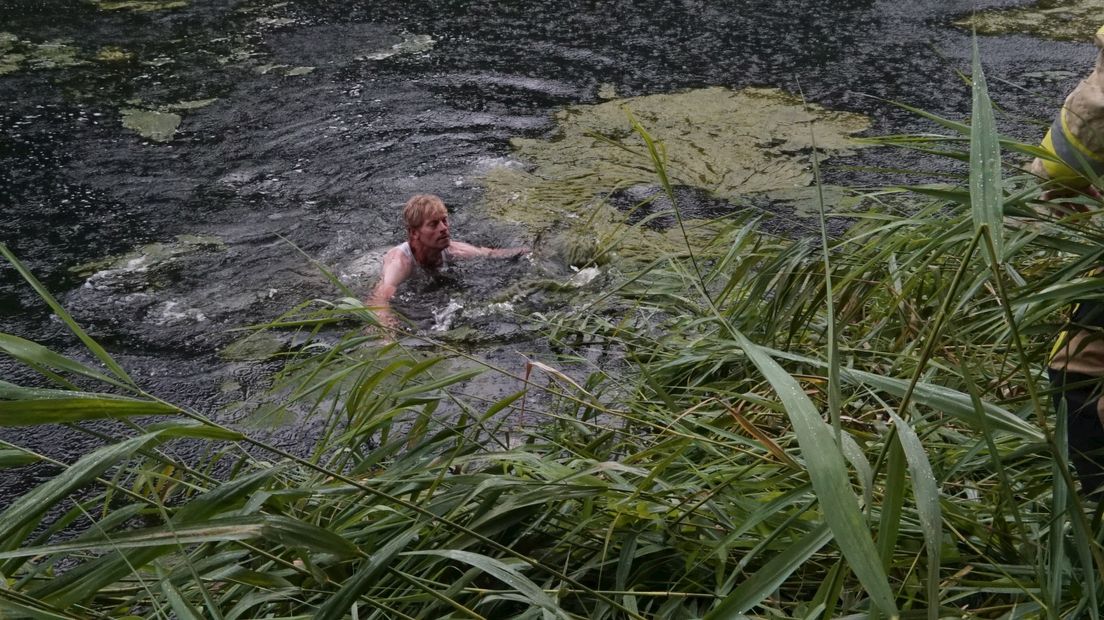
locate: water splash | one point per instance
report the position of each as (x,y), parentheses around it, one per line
(444,318)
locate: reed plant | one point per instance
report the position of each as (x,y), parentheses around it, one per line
(853,426)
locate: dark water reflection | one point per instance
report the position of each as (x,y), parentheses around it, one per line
(324,158)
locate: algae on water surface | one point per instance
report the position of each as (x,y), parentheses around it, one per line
(16,54)
(1060,20)
(114,53)
(157,126)
(140,6)
(730,143)
(411,44)
(149,256)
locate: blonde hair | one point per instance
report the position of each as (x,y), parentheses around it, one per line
(421,207)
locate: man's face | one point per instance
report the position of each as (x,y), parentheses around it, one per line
(434,231)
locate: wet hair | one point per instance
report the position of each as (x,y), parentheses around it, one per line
(421,207)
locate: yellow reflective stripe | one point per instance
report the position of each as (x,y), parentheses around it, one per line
(1057,169)
(1078,160)
(1064,334)
(1058,343)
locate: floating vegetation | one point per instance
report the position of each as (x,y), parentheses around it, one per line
(411,44)
(9,60)
(286,70)
(729,143)
(275,22)
(157,126)
(238,56)
(112,53)
(1060,20)
(144,259)
(16,54)
(140,6)
(190,105)
(255,346)
(53,55)
(805,201)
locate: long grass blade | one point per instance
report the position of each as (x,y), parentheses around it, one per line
(33,504)
(828,471)
(71,410)
(926,491)
(504,573)
(39,357)
(93,346)
(986,194)
(767,579)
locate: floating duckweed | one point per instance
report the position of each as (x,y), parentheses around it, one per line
(411,44)
(16,54)
(256,346)
(9,63)
(53,55)
(191,105)
(1060,20)
(113,53)
(805,201)
(607,91)
(157,126)
(140,6)
(7,42)
(729,143)
(268,68)
(150,255)
(276,22)
(287,70)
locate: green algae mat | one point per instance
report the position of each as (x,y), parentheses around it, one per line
(730,143)
(1057,20)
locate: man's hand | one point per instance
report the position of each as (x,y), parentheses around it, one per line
(1063,208)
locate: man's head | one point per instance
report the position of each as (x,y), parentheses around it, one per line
(426,221)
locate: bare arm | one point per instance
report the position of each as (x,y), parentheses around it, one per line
(396,269)
(459,249)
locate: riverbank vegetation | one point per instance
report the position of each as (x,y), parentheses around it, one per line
(856,426)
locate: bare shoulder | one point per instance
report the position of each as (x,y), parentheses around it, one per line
(395,254)
(397,265)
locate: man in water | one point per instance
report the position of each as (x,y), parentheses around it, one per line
(428,246)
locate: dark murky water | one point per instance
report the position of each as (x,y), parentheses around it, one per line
(328,115)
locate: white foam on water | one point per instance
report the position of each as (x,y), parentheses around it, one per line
(443,318)
(483,165)
(501,307)
(583,277)
(171,313)
(411,44)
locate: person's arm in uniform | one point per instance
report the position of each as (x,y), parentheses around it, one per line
(1076,138)
(396,268)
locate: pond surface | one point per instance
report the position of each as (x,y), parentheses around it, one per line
(159,159)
